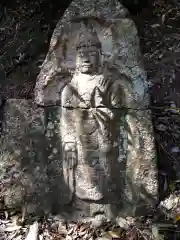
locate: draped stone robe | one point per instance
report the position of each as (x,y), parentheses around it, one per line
(89,128)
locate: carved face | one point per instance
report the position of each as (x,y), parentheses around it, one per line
(88,52)
(88,59)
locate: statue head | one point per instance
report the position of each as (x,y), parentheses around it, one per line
(88,49)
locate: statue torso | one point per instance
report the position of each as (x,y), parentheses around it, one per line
(86,91)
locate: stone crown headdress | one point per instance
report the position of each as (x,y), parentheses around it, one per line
(87,37)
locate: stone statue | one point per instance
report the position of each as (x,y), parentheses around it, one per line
(94,73)
(90,95)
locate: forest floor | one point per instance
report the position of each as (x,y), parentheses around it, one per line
(159,31)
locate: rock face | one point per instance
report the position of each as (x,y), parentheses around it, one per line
(92,151)
(31,165)
(94,72)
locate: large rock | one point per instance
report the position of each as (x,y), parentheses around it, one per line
(89,152)
(21,157)
(31,171)
(94,72)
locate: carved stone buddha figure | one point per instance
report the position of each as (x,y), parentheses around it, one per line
(88,75)
(105,129)
(87,127)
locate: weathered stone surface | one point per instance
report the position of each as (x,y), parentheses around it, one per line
(120,180)
(21,155)
(119,51)
(141,175)
(91,154)
(31,171)
(60,191)
(94,72)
